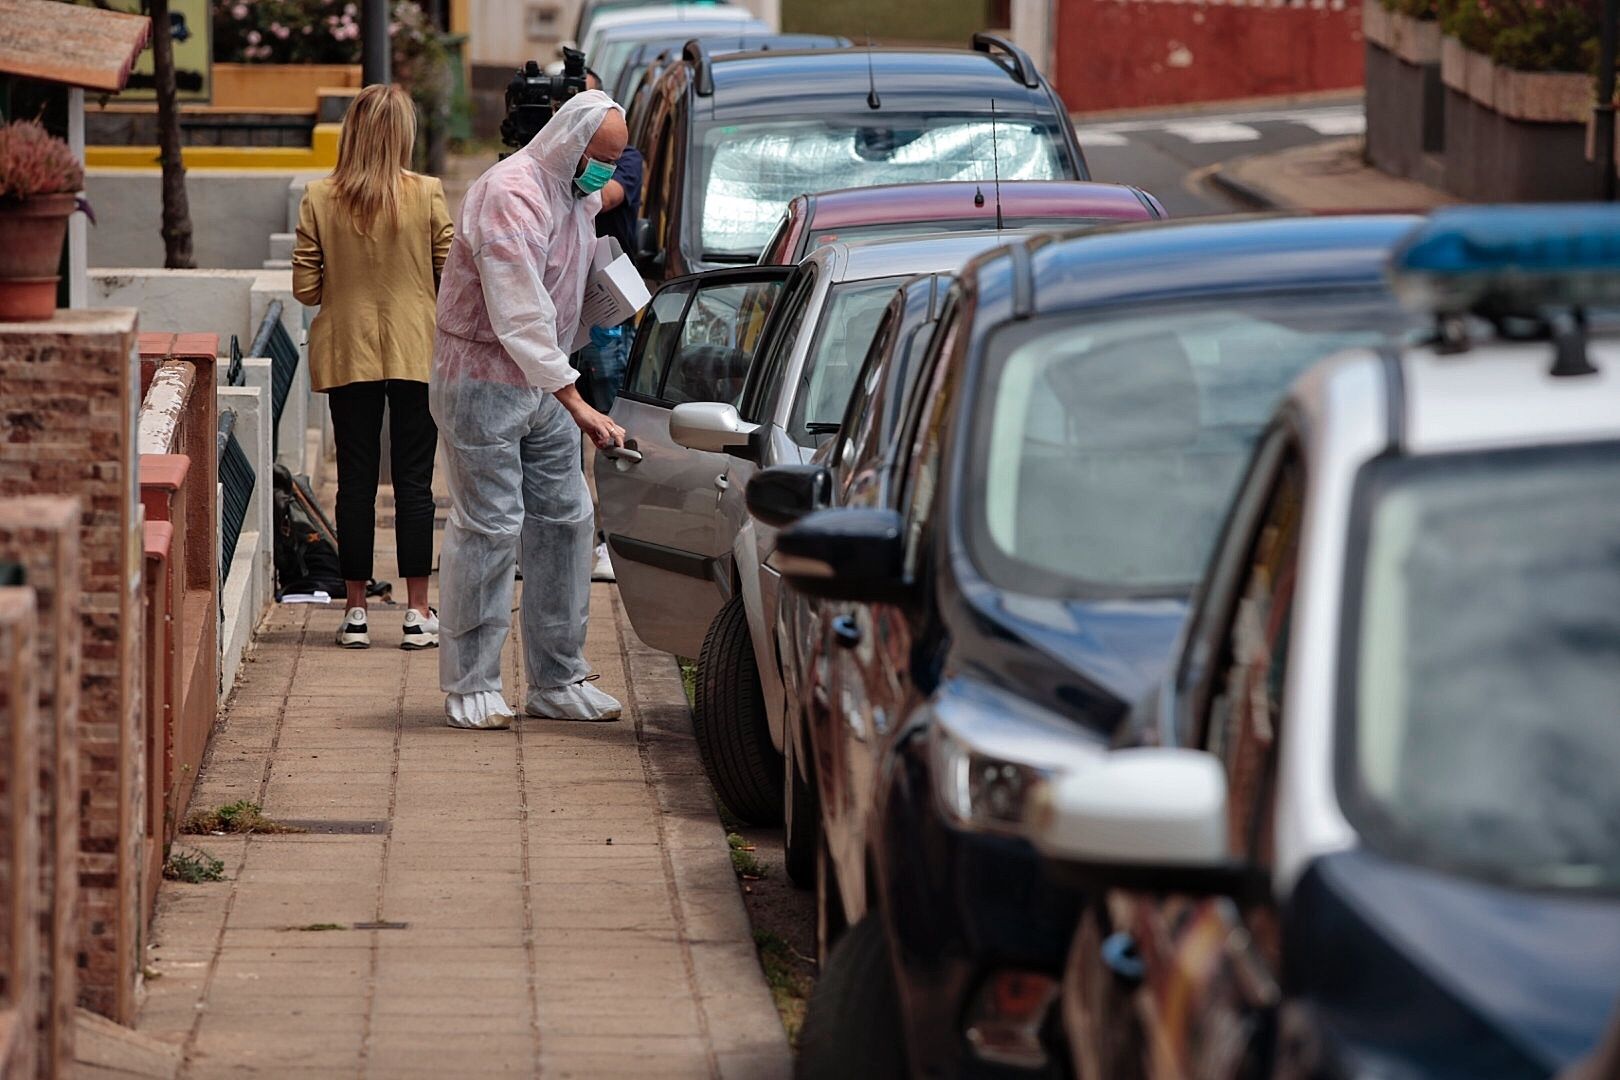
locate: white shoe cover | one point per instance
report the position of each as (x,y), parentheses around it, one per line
(578,701)
(603,570)
(484,711)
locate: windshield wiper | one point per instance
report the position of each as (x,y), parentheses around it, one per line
(730,258)
(822,427)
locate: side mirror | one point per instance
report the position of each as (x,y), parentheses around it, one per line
(1150,819)
(846,553)
(781,495)
(710,425)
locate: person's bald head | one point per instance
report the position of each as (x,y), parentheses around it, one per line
(609,141)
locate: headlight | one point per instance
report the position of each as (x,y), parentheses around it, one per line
(995,754)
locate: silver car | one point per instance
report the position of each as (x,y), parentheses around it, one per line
(733,371)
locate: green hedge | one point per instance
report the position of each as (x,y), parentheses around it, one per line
(1526,35)
(946,21)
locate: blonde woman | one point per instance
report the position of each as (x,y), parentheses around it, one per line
(372,240)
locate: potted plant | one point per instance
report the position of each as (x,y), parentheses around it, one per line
(40,181)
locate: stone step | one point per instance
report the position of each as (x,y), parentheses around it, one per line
(281,245)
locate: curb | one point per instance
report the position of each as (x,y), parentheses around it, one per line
(740,1017)
(1251,195)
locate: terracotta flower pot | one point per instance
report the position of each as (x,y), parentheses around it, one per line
(31,235)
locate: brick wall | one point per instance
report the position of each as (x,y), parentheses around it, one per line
(19,834)
(67,427)
(41,533)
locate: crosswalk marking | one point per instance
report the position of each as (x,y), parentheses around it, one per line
(1336,123)
(1212,131)
(1101,137)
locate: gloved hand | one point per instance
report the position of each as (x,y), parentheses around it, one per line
(598,427)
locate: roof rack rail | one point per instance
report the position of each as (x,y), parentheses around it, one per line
(1023,67)
(702,67)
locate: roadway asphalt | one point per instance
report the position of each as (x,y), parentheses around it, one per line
(1168,154)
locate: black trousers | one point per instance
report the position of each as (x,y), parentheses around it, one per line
(413,439)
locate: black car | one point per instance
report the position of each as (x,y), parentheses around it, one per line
(730,139)
(648,59)
(1057,475)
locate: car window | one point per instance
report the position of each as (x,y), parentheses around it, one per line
(925,439)
(779,344)
(860,418)
(1245,714)
(1480,685)
(745,173)
(656,335)
(848,323)
(717,342)
(655,196)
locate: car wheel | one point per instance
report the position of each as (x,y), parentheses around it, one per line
(801,821)
(852,1027)
(733,732)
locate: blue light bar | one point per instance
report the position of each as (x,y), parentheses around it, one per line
(1510,259)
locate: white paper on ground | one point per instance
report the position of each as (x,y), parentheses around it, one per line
(319,597)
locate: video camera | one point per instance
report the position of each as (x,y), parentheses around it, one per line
(533,97)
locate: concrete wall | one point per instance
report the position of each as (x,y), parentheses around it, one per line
(950,22)
(233,213)
(222,302)
(1116,54)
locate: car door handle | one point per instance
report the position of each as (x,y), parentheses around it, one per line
(846,631)
(622,453)
(1120,955)
(721,482)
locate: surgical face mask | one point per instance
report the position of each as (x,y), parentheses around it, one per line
(595,176)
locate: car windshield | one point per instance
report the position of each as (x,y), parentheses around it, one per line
(750,171)
(849,234)
(853,312)
(1114,441)
(1485,679)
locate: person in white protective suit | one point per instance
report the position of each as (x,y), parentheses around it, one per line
(502,392)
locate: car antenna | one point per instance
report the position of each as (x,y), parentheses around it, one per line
(872,99)
(995,163)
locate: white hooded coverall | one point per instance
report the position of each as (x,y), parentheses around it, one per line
(509,303)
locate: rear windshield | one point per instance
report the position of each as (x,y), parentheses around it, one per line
(747,172)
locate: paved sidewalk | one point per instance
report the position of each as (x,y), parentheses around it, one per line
(1324,176)
(553,900)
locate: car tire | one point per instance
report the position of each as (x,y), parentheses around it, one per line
(801,823)
(729,720)
(852,1028)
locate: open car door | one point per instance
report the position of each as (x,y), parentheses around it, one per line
(658,502)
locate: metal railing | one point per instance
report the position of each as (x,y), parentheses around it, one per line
(273,341)
(237,480)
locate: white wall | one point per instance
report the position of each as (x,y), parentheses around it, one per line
(233,213)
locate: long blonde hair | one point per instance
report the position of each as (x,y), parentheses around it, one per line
(379,132)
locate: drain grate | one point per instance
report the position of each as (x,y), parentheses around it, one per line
(339,828)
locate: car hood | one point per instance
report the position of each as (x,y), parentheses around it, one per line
(1096,657)
(1453,976)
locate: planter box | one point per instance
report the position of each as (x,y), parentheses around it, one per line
(279,86)
(1514,136)
(1416,41)
(1405,100)
(1543,97)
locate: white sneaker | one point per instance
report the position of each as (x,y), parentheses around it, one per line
(603,570)
(354,633)
(420,632)
(577,701)
(485,710)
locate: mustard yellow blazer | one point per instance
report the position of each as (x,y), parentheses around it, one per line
(376,293)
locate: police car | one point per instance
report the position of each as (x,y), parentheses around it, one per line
(1370,827)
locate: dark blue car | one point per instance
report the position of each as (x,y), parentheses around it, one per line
(1061,467)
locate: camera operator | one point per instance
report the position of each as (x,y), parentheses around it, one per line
(601,362)
(509,414)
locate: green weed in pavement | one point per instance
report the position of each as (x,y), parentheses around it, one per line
(193,867)
(790,987)
(742,859)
